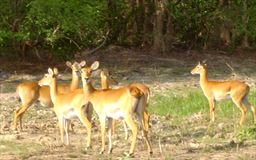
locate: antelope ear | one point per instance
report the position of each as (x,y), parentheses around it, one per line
(95,65)
(69,64)
(55,71)
(82,64)
(50,71)
(204,61)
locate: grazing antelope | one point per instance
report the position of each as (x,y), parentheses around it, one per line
(67,106)
(29,92)
(105,79)
(121,103)
(218,90)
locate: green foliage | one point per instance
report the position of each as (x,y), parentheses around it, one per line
(193,20)
(66,26)
(58,23)
(196,21)
(119,15)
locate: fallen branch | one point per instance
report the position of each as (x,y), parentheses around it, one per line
(73,42)
(229,66)
(101,45)
(233,74)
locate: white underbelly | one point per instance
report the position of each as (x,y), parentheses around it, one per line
(115,115)
(219,96)
(69,114)
(113,111)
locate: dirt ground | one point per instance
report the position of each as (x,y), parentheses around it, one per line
(40,137)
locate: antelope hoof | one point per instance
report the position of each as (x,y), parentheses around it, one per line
(14,128)
(102,151)
(131,154)
(88,147)
(150,152)
(62,145)
(110,151)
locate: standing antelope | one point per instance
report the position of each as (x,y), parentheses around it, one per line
(67,106)
(29,92)
(218,90)
(105,78)
(121,103)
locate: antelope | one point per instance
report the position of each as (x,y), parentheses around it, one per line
(105,78)
(67,106)
(120,103)
(218,90)
(29,92)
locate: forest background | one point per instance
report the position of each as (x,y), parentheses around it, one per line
(60,28)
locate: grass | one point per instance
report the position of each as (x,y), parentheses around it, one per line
(176,103)
(173,103)
(21,150)
(247,132)
(180,105)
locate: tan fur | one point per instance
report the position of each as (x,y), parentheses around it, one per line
(29,92)
(143,91)
(67,106)
(218,90)
(116,104)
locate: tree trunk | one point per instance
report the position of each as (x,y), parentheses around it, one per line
(158,38)
(169,33)
(148,23)
(113,34)
(140,17)
(225,33)
(245,19)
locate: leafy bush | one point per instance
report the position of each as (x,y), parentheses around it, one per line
(66,26)
(57,23)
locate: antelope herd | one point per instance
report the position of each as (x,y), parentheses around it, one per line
(111,104)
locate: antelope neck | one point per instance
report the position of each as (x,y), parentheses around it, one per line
(104,84)
(74,82)
(87,87)
(53,90)
(203,78)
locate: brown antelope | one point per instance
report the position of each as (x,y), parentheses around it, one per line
(106,78)
(218,90)
(29,92)
(67,106)
(121,103)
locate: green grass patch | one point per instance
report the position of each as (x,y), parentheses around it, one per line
(175,103)
(247,133)
(22,150)
(181,104)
